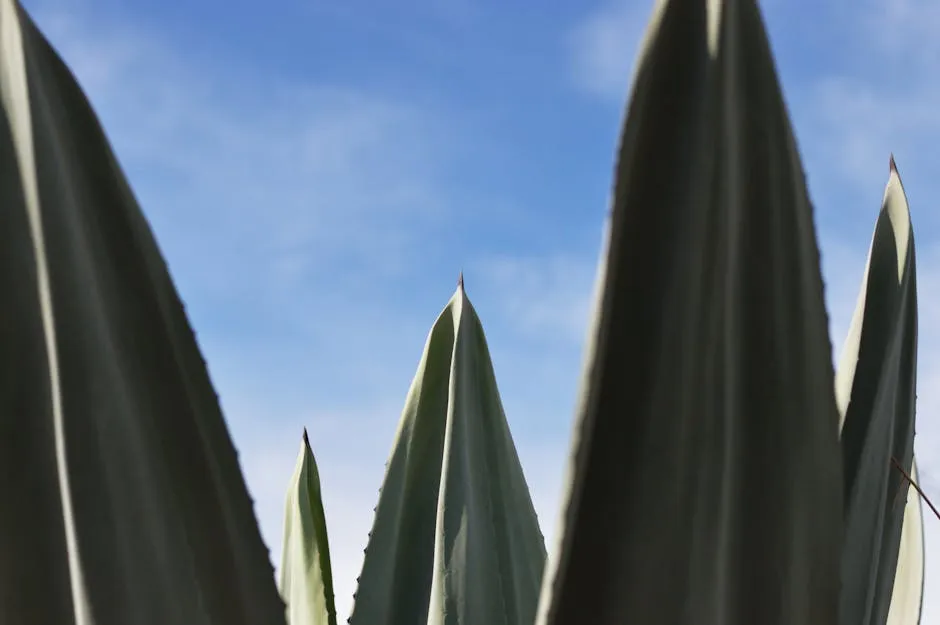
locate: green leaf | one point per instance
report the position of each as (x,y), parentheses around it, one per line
(456,540)
(908,592)
(876,393)
(123,500)
(306,577)
(705,479)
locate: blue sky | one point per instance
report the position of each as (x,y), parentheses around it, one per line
(318,172)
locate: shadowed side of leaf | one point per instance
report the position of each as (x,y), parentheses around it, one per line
(306,582)
(124,501)
(705,473)
(455,540)
(876,386)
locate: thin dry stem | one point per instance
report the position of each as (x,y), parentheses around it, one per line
(907,477)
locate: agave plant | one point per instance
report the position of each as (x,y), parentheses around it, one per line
(123,500)
(306,582)
(876,394)
(706,479)
(721,473)
(455,539)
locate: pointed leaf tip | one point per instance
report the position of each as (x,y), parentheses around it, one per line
(453,471)
(306,576)
(460,280)
(892,166)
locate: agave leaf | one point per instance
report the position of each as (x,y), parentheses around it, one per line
(306,582)
(705,479)
(123,501)
(456,540)
(875,389)
(908,592)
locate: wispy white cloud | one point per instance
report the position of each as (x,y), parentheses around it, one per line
(284,177)
(856,123)
(604,46)
(543,296)
(905,29)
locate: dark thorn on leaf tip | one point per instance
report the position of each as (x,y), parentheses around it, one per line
(891,164)
(460,280)
(306,440)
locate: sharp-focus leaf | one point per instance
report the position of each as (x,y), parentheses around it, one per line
(123,501)
(306,577)
(875,389)
(705,479)
(456,540)
(908,592)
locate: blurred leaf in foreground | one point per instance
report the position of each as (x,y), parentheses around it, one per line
(124,503)
(705,477)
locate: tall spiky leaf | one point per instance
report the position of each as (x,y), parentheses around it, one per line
(875,389)
(123,501)
(456,540)
(705,474)
(306,582)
